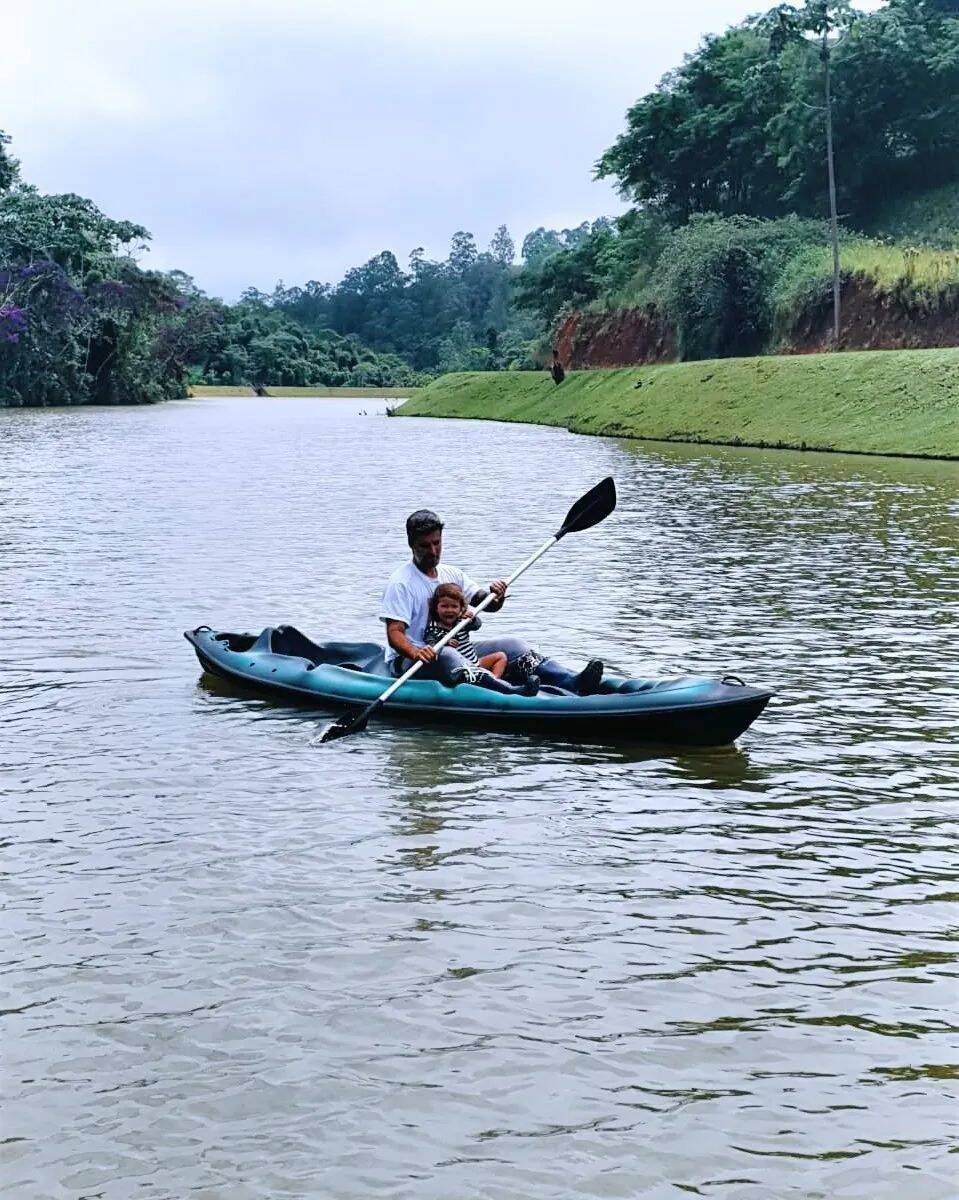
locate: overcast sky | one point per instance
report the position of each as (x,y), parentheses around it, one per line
(296,139)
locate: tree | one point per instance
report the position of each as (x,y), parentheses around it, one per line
(462,252)
(9,167)
(185,284)
(539,245)
(501,248)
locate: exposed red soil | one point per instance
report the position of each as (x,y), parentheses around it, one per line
(622,338)
(874,322)
(634,336)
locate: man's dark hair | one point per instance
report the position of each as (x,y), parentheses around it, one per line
(424,520)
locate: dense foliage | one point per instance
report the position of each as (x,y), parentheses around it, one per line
(715,279)
(82,323)
(738,127)
(440,316)
(929,217)
(614,261)
(254,343)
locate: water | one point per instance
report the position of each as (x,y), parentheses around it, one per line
(422,963)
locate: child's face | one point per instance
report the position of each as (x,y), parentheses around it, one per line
(448,611)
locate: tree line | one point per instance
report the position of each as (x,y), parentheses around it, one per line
(725,168)
(81,322)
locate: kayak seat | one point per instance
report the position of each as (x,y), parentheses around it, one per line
(355,656)
(238,642)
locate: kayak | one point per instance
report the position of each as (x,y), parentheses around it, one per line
(281,661)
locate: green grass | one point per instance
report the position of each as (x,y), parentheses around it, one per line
(345,393)
(903,402)
(918,275)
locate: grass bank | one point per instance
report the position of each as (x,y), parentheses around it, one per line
(902,402)
(343,393)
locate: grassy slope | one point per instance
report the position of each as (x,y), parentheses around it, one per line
(878,402)
(336,392)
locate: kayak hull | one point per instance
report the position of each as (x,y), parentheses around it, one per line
(282,662)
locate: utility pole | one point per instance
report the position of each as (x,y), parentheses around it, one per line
(825,55)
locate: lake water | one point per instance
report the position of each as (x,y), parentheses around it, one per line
(424,963)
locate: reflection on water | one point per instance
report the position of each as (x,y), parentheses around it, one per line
(421,962)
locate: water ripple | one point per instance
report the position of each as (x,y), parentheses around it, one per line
(428,964)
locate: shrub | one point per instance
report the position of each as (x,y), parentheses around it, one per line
(715,276)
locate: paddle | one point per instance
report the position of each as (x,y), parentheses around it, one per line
(589,510)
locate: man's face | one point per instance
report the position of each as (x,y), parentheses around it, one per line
(428,549)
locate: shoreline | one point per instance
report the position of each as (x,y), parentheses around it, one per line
(198,391)
(895,403)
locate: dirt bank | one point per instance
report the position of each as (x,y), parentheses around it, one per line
(871,321)
(621,337)
(631,337)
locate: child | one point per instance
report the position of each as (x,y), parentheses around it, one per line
(447,608)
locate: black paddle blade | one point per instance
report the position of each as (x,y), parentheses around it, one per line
(590,509)
(347,724)
(340,728)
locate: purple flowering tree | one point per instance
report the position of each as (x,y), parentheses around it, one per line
(80,321)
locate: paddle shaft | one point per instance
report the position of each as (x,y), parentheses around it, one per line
(458,628)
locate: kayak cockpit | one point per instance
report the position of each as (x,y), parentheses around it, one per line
(291,643)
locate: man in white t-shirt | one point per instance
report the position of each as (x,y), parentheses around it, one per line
(404,610)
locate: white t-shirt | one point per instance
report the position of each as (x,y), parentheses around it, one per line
(408,594)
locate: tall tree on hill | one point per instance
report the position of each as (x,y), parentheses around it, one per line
(502,248)
(462,252)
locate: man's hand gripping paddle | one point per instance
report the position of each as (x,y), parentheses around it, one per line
(589,510)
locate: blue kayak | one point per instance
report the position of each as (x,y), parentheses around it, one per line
(281,661)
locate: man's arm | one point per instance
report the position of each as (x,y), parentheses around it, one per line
(396,636)
(499,587)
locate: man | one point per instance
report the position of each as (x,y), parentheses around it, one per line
(405,608)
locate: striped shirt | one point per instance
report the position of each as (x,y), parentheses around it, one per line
(462,643)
